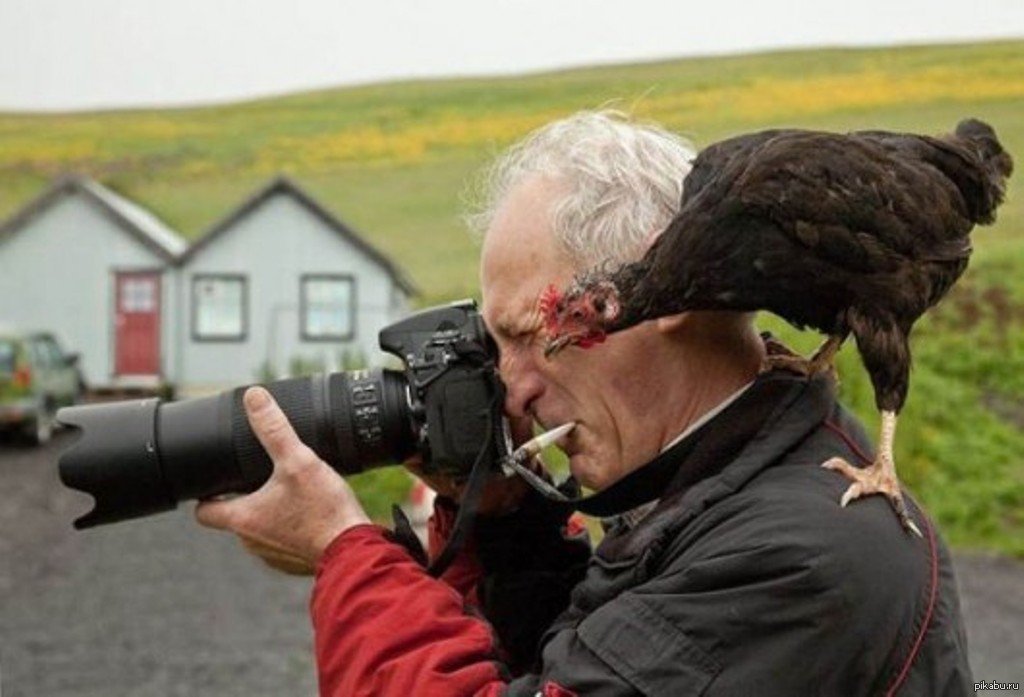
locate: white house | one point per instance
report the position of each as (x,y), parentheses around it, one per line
(97,271)
(279,280)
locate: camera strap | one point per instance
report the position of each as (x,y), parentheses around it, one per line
(482,469)
(639,487)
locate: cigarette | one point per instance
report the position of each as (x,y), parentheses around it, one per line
(536,444)
(513,464)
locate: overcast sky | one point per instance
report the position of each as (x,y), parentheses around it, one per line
(72,54)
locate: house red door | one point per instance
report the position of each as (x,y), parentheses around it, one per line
(137,319)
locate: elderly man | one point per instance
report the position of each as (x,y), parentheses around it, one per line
(738,574)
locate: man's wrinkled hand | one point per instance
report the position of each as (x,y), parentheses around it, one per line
(304,505)
(277,558)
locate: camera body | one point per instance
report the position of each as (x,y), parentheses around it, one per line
(141,457)
(455,396)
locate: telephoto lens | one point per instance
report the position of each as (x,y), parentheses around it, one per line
(142,457)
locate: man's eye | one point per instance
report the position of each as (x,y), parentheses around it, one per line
(519,338)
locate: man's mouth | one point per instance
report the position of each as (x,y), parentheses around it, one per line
(563,441)
(535,445)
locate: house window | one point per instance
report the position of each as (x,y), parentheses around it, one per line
(328,306)
(219,307)
(138,295)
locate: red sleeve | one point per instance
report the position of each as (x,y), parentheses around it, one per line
(384,627)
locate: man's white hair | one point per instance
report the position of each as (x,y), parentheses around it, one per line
(624,181)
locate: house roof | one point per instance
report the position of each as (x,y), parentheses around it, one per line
(131,217)
(284,185)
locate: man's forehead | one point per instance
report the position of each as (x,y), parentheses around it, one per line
(520,256)
(510,261)
(510,290)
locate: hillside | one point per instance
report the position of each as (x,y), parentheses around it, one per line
(393,161)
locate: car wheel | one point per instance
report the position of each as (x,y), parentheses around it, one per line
(40,430)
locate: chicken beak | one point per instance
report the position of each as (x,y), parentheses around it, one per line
(556,344)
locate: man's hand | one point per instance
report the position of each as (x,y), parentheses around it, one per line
(304,505)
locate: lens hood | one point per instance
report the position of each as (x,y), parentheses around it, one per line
(115,460)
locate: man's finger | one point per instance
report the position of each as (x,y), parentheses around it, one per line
(270,424)
(218,513)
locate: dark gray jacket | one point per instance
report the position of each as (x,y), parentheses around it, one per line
(748,578)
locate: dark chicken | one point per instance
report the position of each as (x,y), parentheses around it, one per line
(848,234)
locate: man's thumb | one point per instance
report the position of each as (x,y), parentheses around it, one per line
(218,513)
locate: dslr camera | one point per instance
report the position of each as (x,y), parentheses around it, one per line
(142,457)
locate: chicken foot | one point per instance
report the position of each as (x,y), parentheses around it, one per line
(877,478)
(819,362)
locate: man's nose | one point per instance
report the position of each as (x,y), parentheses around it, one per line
(523,382)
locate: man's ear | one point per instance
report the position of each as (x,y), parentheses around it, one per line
(672,323)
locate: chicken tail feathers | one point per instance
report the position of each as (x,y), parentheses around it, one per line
(996,166)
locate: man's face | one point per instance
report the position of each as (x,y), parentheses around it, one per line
(606,390)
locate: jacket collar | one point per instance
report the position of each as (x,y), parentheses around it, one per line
(778,411)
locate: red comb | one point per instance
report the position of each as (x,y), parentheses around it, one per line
(549,298)
(547,305)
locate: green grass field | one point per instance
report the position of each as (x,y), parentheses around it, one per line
(394,160)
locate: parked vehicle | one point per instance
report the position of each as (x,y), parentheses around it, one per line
(36,379)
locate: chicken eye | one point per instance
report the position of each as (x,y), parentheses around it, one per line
(599,304)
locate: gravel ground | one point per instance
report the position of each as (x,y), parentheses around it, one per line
(160,607)
(156,607)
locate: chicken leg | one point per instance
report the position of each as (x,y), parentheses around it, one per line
(820,362)
(877,478)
